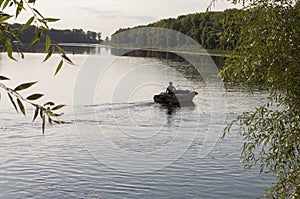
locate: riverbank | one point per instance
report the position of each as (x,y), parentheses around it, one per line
(216,53)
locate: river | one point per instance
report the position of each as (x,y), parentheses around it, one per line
(117,142)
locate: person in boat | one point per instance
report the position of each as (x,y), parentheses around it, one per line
(170,89)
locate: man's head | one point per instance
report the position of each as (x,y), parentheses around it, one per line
(170,83)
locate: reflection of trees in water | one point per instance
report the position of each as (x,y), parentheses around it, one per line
(174,60)
(75,49)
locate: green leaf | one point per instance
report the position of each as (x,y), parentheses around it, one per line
(21,106)
(48,42)
(9,49)
(12,101)
(59,122)
(67,59)
(31,1)
(49,104)
(1,2)
(50,121)
(49,54)
(59,67)
(43,124)
(37,12)
(19,8)
(51,19)
(24,86)
(58,107)
(36,112)
(4,78)
(34,96)
(3,19)
(34,40)
(5,4)
(27,24)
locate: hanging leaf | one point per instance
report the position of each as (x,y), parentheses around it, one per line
(34,40)
(50,121)
(21,106)
(49,104)
(59,67)
(43,124)
(24,86)
(51,20)
(58,107)
(36,112)
(34,96)
(5,4)
(12,101)
(37,12)
(67,59)
(2,19)
(19,8)
(27,24)
(48,42)
(4,78)
(9,49)
(59,122)
(49,54)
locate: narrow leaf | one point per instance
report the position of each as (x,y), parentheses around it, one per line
(59,67)
(21,106)
(1,2)
(43,124)
(50,121)
(2,19)
(48,42)
(27,24)
(4,78)
(49,104)
(19,8)
(36,112)
(12,101)
(34,40)
(9,49)
(49,54)
(5,4)
(51,19)
(24,86)
(34,96)
(58,107)
(67,58)
(59,122)
(36,11)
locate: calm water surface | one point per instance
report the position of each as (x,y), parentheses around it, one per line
(123,145)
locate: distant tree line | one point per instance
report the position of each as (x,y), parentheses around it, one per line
(213,30)
(60,36)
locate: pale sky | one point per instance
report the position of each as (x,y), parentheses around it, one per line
(107,16)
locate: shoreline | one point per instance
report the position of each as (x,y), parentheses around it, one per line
(203,52)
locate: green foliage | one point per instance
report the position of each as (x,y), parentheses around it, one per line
(10,41)
(268,56)
(210,29)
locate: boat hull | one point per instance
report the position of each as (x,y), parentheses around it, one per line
(180,97)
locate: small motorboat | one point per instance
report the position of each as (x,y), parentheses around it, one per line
(179,97)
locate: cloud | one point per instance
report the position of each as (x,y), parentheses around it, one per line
(144,19)
(110,14)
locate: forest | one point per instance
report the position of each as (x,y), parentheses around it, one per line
(211,29)
(60,36)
